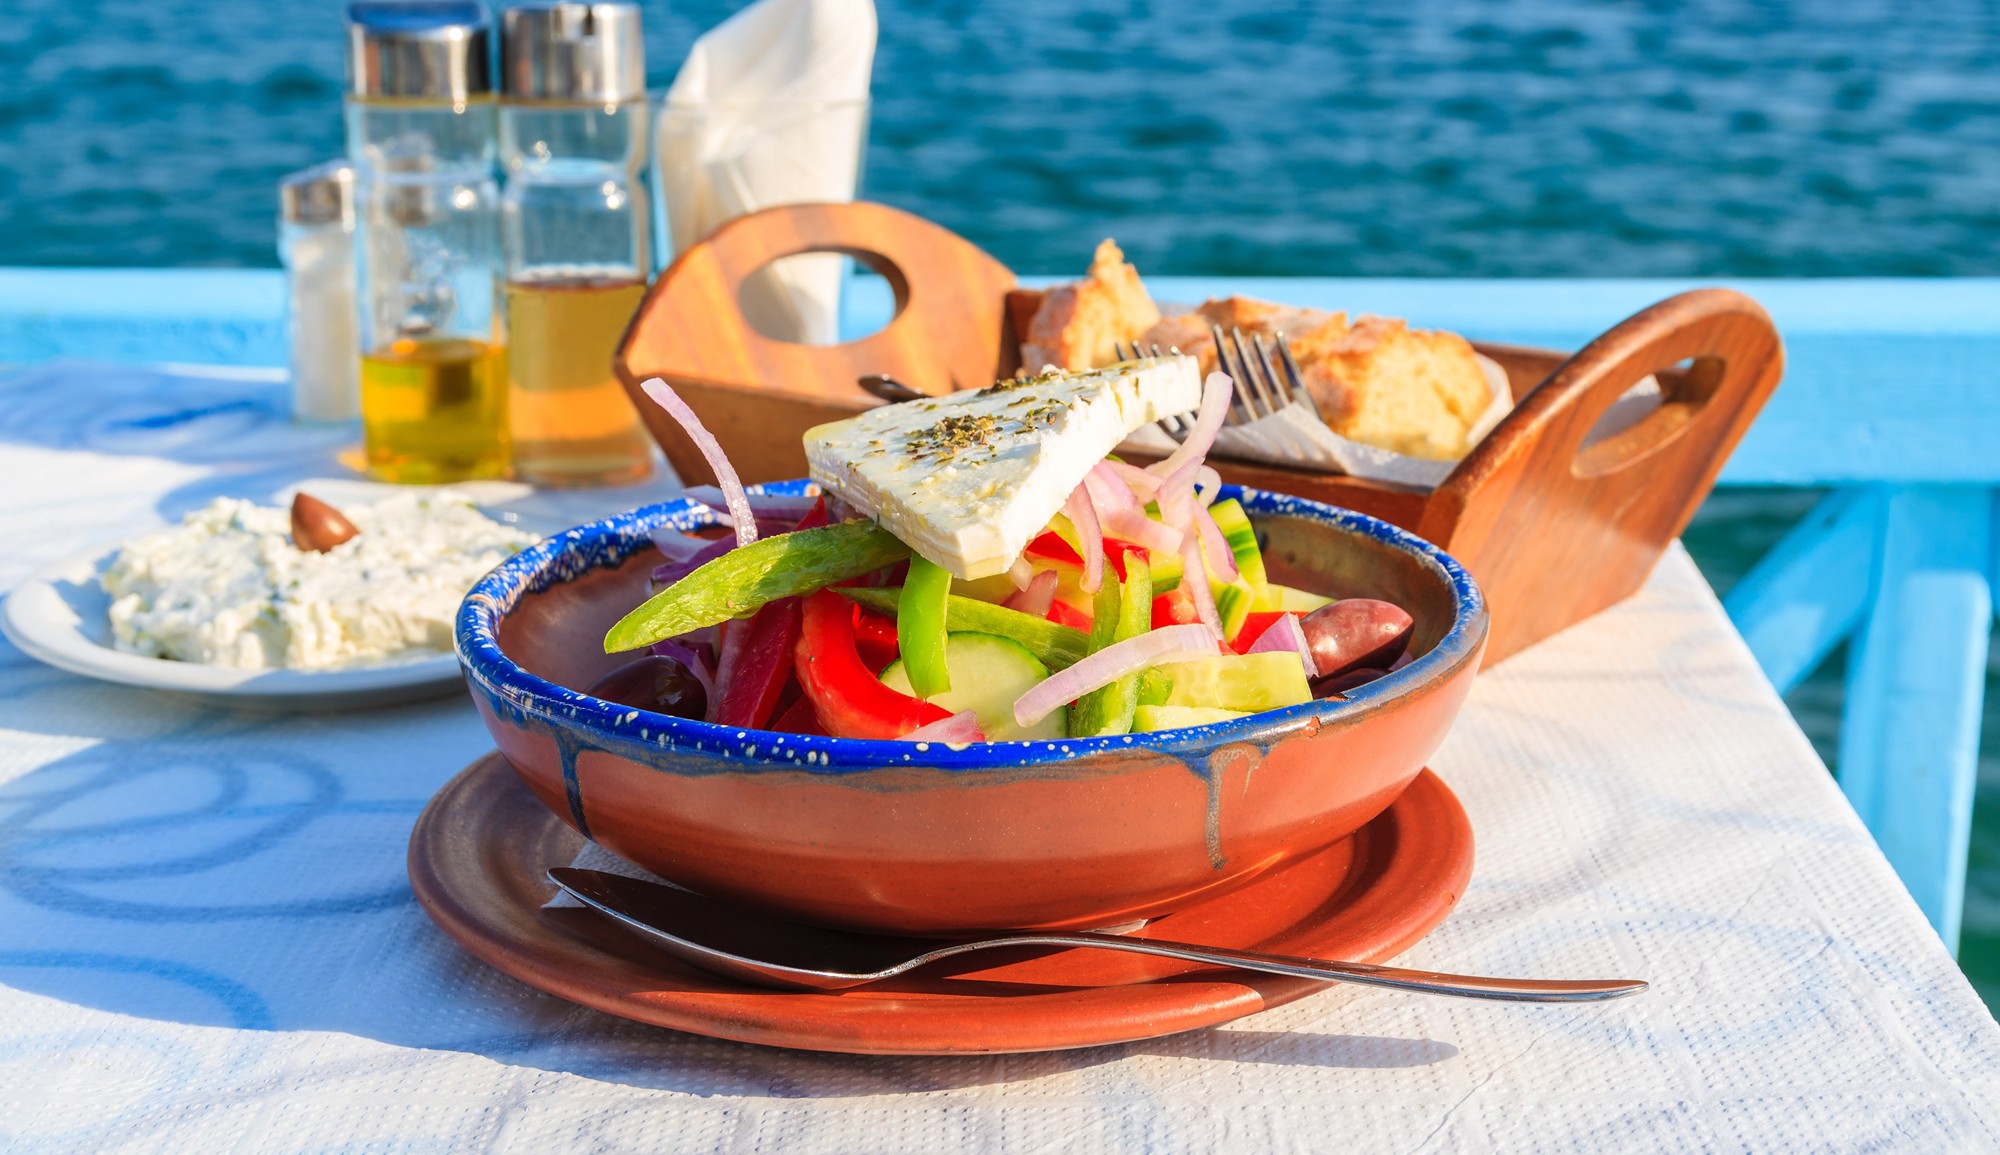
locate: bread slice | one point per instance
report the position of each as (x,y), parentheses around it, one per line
(1190,332)
(1376,381)
(1383,383)
(1079,325)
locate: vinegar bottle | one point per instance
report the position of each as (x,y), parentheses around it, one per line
(421,134)
(573,222)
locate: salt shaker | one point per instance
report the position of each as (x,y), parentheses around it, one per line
(316,243)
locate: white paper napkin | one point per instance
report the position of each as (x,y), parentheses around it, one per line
(591,856)
(769,109)
(1296,437)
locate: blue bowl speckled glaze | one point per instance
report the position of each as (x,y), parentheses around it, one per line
(925,837)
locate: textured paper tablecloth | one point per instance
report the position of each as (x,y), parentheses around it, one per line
(207,942)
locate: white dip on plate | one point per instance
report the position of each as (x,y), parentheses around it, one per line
(227,587)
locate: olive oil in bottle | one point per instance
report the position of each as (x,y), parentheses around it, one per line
(422,133)
(572,422)
(573,231)
(434,409)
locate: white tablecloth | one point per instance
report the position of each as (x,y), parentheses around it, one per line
(207,942)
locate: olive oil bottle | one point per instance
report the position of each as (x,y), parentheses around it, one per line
(572,422)
(573,226)
(422,133)
(435,410)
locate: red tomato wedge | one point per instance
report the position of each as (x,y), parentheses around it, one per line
(1174,608)
(1254,625)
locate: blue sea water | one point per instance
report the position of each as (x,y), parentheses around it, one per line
(1428,138)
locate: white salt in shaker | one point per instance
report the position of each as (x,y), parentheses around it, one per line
(316,242)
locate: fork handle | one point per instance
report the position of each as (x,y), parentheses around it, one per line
(1366,974)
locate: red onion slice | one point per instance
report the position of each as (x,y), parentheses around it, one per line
(1133,526)
(1144,484)
(1021,573)
(1107,666)
(1208,483)
(1215,395)
(711,548)
(1221,558)
(767,506)
(1286,634)
(960,727)
(1108,491)
(1038,597)
(687,655)
(675,544)
(1177,506)
(1090,536)
(738,502)
(1194,575)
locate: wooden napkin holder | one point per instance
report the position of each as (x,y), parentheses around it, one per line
(1554,523)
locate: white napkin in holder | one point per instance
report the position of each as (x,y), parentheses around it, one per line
(770,108)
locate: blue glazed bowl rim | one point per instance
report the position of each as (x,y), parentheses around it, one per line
(610,541)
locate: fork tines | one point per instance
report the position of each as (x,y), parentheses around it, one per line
(1265,383)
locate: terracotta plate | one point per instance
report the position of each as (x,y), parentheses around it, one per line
(478,854)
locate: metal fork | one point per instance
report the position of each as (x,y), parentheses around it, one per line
(1264,384)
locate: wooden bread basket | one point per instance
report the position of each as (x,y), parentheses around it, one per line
(1556,524)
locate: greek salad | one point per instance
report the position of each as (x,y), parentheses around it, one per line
(983,567)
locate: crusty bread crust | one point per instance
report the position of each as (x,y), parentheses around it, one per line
(1079,325)
(1416,392)
(1376,381)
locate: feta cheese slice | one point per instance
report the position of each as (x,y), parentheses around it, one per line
(967,480)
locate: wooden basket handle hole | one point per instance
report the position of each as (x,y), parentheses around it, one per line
(1647,416)
(800,298)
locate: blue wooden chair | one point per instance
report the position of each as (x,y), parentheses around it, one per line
(1905,573)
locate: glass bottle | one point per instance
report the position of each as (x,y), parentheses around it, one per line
(316,243)
(573,130)
(421,132)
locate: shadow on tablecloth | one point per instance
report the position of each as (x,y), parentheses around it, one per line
(217,869)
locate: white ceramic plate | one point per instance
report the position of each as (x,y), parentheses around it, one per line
(59,616)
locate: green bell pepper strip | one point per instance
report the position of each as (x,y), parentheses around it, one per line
(1057,646)
(741,581)
(1109,709)
(920,627)
(1103,631)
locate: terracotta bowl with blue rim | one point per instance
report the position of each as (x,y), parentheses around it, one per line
(914,838)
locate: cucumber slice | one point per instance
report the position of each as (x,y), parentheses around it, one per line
(1232,605)
(987,673)
(1284,599)
(1242,538)
(1166,571)
(1174,717)
(1234,601)
(1246,682)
